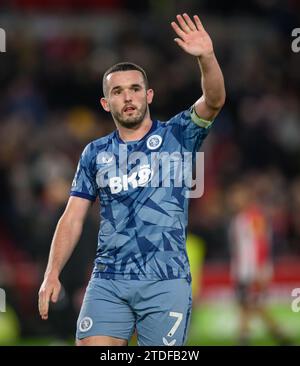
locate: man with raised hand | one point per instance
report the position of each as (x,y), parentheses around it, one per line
(141,279)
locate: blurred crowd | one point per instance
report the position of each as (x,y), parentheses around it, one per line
(49,110)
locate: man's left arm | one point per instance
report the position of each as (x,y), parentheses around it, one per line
(194,40)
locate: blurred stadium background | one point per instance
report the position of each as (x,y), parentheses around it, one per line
(50,81)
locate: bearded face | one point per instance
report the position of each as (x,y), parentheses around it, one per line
(127,98)
(131,115)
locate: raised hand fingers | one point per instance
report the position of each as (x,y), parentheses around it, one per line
(189,22)
(192,37)
(198,23)
(178,30)
(184,26)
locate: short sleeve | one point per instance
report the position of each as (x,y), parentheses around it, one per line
(190,129)
(84,182)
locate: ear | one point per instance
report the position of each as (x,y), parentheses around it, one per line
(104,104)
(150,95)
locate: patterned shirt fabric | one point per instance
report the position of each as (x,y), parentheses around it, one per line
(143,200)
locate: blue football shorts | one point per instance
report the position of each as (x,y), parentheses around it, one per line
(159,310)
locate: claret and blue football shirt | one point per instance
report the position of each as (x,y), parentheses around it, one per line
(143,206)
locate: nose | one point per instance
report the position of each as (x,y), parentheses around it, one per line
(127,96)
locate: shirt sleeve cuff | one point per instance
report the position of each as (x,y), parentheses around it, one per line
(83,195)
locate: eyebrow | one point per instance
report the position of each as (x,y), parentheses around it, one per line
(131,86)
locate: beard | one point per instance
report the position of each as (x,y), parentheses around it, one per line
(130,121)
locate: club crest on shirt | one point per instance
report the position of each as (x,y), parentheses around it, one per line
(85,324)
(154,142)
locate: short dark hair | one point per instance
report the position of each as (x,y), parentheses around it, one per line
(123,66)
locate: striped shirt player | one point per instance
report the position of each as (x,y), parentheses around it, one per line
(251,266)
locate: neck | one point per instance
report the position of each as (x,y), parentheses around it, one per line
(128,134)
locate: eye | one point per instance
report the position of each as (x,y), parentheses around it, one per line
(117,92)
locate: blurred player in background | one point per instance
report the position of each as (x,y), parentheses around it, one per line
(141,279)
(251,244)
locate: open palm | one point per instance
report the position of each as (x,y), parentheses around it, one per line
(193,37)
